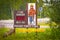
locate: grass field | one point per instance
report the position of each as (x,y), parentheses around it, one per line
(23,35)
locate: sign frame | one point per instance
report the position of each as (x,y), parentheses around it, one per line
(26,25)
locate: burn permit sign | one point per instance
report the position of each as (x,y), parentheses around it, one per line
(20,18)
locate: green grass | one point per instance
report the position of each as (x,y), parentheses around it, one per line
(26,36)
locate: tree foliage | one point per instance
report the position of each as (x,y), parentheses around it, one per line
(55,12)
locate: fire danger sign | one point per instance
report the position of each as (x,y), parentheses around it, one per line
(20,18)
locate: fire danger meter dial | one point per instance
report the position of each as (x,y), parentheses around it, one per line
(20,18)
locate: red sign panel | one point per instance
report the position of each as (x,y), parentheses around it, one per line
(20,18)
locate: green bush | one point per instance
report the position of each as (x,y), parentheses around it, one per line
(55,33)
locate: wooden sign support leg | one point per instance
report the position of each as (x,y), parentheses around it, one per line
(36,34)
(14,31)
(27,31)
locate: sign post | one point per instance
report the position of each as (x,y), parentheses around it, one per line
(26,19)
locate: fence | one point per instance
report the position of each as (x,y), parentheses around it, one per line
(6,23)
(10,23)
